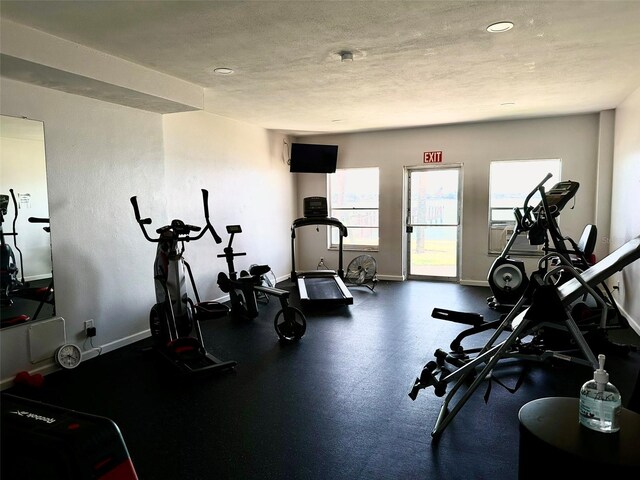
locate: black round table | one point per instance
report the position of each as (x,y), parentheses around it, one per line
(553,443)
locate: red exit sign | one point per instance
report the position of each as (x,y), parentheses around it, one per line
(432,157)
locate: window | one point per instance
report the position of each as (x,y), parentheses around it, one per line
(353,197)
(509,184)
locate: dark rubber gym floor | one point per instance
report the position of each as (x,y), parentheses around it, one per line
(333,406)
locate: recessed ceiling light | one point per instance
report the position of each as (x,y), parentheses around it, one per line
(223,71)
(499,27)
(346,56)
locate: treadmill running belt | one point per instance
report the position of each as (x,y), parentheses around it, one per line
(325,288)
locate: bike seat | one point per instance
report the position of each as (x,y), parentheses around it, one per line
(250,280)
(259,269)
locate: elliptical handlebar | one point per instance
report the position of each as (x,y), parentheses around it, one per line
(41,220)
(188,228)
(524,220)
(205,202)
(142,221)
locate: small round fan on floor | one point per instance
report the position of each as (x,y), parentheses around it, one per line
(269,279)
(266,280)
(362,271)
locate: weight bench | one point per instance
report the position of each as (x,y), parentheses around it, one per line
(550,307)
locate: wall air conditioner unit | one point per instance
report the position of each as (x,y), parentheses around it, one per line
(521,245)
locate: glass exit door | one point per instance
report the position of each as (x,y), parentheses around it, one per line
(433,223)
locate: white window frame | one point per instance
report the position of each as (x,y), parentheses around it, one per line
(346,246)
(500,231)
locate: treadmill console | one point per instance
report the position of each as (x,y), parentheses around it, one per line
(559,195)
(315,207)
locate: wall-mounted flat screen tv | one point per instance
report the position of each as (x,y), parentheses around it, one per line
(310,158)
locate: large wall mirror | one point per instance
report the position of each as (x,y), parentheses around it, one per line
(27,277)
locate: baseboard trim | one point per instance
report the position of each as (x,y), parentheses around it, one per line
(33,278)
(42,370)
(475,283)
(87,355)
(392,278)
(122,342)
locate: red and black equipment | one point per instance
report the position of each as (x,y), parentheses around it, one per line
(43,441)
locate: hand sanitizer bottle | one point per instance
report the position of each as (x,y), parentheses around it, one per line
(600,402)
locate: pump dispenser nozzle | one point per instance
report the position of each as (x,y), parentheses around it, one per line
(600,376)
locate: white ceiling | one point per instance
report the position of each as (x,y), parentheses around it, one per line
(415,63)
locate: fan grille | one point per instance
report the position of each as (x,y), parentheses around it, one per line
(362,269)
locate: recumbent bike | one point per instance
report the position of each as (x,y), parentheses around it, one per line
(290,323)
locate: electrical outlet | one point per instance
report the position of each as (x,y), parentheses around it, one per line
(87,325)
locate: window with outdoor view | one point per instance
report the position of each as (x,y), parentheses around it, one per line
(353,199)
(510,181)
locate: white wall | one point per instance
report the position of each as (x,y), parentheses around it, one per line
(574,139)
(625,221)
(249,184)
(98,156)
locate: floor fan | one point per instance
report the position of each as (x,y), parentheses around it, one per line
(362,271)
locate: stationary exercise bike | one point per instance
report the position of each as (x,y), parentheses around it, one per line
(175,317)
(289,322)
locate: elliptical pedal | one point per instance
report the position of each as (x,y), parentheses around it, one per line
(467,318)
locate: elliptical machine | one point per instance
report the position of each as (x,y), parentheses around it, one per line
(507,276)
(9,279)
(12,281)
(289,323)
(175,316)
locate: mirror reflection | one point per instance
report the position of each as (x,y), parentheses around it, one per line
(25,253)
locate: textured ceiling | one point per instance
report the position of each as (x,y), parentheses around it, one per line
(415,63)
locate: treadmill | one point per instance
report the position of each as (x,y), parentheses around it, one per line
(324,287)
